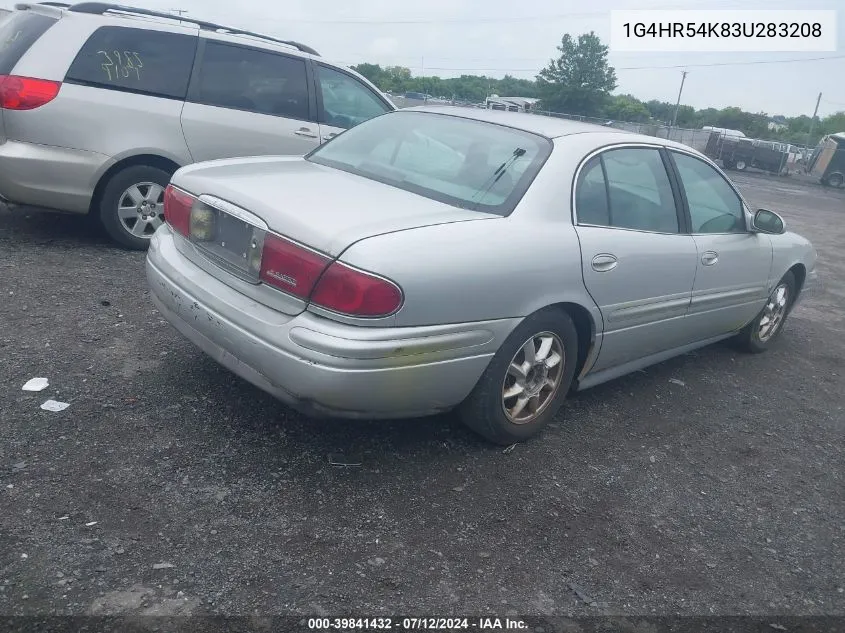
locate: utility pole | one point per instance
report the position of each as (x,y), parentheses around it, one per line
(813,122)
(179,12)
(678,104)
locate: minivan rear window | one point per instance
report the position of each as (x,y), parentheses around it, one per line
(144,61)
(18,32)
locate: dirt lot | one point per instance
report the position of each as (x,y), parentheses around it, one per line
(169,486)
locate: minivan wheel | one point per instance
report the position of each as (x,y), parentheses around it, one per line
(527,380)
(132,205)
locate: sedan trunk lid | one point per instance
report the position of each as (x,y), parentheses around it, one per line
(321,207)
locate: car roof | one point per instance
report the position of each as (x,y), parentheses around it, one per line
(547,126)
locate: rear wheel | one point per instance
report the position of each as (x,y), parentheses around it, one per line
(740,165)
(526,381)
(132,205)
(758,335)
(836,180)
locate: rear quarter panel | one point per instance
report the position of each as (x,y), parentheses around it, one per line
(477,270)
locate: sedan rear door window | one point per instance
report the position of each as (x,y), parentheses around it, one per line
(639,191)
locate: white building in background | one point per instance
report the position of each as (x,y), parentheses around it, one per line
(511,104)
(724,131)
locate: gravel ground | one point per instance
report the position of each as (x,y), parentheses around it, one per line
(709,484)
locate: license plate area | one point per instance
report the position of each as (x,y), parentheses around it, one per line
(229,241)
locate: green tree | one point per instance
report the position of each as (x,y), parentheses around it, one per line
(373,72)
(626,108)
(580,80)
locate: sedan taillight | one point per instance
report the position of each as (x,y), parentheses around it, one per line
(290,267)
(356,293)
(177,209)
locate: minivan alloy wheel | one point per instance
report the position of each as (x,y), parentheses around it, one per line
(141,209)
(533,378)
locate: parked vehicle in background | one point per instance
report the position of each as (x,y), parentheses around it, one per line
(100,104)
(827,162)
(511,104)
(441,257)
(740,153)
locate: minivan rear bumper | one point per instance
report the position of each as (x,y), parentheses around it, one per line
(49,177)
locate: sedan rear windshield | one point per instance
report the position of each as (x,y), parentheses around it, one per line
(462,162)
(18,32)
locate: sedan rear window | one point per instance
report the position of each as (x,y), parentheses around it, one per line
(466,163)
(18,32)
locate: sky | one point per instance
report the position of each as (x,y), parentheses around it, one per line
(518,37)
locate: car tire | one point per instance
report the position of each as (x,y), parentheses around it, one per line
(132,205)
(484,411)
(740,165)
(836,180)
(760,334)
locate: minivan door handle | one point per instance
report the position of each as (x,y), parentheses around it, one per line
(604,262)
(330,136)
(709,258)
(304,131)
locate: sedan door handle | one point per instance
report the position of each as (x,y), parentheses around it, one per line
(709,258)
(304,131)
(330,136)
(604,262)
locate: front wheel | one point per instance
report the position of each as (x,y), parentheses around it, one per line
(132,205)
(758,335)
(836,180)
(527,380)
(740,165)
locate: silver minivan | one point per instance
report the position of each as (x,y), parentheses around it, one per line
(100,104)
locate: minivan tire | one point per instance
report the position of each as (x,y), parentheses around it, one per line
(147,179)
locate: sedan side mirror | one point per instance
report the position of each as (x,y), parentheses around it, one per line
(766,221)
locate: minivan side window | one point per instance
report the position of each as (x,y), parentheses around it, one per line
(18,32)
(143,61)
(254,80)
(346,101)
(714,206)
(638,194)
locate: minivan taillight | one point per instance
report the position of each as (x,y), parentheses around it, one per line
(177,209)
(26,93)
(353,292)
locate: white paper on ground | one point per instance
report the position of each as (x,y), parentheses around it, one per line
(36,384)
(52,405)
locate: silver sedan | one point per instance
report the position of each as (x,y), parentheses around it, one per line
(440,258)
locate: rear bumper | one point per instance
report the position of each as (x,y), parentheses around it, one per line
(49,177)
(314,364)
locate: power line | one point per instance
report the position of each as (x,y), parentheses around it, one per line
(488,20)
(535,69)
(760,61)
